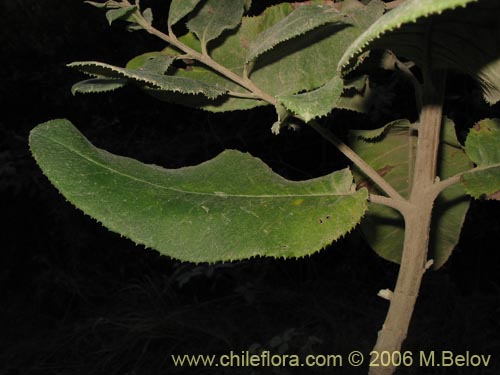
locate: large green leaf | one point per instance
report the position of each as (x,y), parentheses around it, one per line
(483,148)
(300,21)
(231,207)
(214,17)
(463,35)
(304,63)
(387,150)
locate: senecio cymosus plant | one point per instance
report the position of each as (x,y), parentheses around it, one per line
(234,206)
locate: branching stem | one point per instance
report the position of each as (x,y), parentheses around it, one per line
(358,161)
(394,199)
(205,59)
(442,185)
(400,205)
(417,222)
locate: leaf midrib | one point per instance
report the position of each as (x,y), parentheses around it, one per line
(214,194)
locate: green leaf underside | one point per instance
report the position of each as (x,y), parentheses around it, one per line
(120,13)
(302,64)
(148,78)
(463,35)
(157,64)
(315,103)
(179,9)
(231,207)
(139,61)
(98,85)
(300,21)
(483,148)
(214,17)
(387,152)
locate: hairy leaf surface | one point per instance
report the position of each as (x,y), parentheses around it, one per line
(214,17)
(231,207)
(179,9)
(483,148)
(305,63)
(463,35)
(140,61)
(98,85)
(315,103)
(120,13)
(300,21)
(387,150)
(150,78)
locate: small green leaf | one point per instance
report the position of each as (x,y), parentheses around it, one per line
(98,85)
(98,5)
(282,116)
(214,17)
(373,134)
(461,35)
(228,208)
(148,78)
(300,21)
(179,9)
(483,148)
(387,151)
(482,143)
(315,103)
(148,15)
(120,13)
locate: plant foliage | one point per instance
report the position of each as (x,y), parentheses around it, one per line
(300,58)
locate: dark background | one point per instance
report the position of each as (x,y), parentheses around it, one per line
(77,299)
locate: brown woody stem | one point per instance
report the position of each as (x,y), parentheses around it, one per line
(417,224)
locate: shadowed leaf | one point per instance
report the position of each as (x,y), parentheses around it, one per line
(120,13)
(214,17)
(300,21)
(387,151)
(373,134)
(179,9)
(463,35)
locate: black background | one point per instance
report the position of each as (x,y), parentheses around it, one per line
(77,299)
